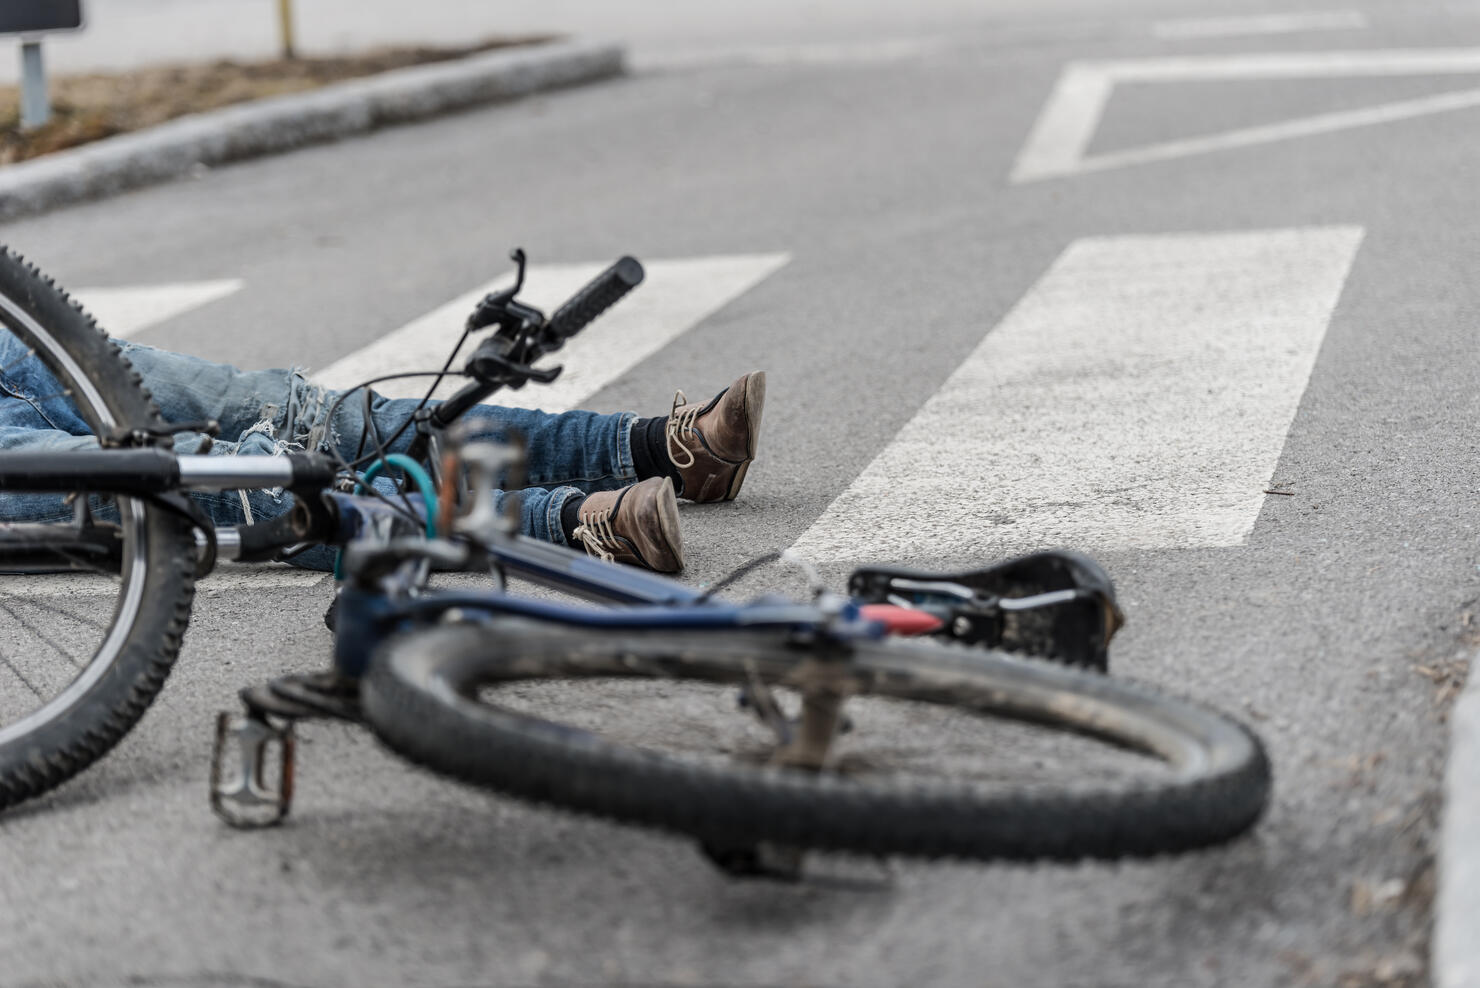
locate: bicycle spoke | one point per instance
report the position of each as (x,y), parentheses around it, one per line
(5,660)
(16,598)
(64,653)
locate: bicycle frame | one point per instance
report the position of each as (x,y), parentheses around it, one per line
(385,592)
(368,611)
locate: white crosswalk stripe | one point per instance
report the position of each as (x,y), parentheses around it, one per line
(1137,397)
(127,312)
(675,296)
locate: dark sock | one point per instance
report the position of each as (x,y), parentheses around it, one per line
(570,518)
(650,450)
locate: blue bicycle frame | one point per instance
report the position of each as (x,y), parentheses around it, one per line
(370,610)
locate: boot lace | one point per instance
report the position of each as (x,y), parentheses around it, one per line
(595,533)
(681,423)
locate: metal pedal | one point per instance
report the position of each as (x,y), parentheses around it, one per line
(244,798)
(796,866)
(774,862)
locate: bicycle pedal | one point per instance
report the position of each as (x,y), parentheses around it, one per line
(774,862)
(796,866)
(244,798)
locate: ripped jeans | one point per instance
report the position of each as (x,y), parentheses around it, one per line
(269,412)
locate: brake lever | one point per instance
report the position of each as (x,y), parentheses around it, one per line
(516,320)
(490,367)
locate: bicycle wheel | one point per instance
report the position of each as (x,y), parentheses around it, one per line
(93,605)
(462,700)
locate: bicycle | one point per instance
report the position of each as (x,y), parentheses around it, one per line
(428,669)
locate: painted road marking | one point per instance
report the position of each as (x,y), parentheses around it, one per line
(1058,143)
(675,296)
(1137,397)
(125,312)
(1288,23)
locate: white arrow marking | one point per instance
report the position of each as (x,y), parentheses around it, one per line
(1137,397)
(674,296)
(124,312)
(1057,145)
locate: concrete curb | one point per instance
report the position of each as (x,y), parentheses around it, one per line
(282,123)
(1456,959)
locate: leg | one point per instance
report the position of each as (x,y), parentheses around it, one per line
(271,411)
(585,453)
(279,403)
(705,450)
(585,450)
(539,510)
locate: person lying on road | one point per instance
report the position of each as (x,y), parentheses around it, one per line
(606,482)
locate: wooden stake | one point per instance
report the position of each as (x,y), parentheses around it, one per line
(285,19)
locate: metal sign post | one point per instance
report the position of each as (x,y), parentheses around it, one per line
(30,19)
(35,102)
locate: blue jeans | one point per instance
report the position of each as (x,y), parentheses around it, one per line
(275,411)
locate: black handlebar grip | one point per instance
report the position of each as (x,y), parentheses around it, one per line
(601,294)
(312,472)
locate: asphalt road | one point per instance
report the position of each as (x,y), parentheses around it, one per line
(883,171)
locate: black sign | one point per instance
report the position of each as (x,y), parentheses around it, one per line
(35,16)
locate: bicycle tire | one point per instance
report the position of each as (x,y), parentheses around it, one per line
(140,640)
(421,698)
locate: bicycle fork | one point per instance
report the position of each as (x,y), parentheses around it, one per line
(803,742)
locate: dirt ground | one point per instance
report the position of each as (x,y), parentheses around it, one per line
(90,107)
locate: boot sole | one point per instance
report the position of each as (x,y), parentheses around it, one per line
(668,522)
(755,405)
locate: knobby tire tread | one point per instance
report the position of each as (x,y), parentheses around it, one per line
(408,698)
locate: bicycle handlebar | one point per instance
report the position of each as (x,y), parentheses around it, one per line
(601,294)
(506,359)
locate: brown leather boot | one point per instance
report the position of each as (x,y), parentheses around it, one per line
(637,525)
(712,446)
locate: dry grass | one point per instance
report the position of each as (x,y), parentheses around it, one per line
(90,107)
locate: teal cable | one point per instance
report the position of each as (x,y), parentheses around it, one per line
(423,481)
(422,478)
